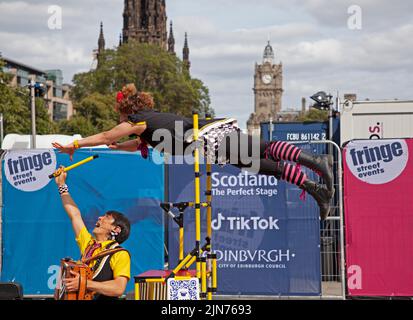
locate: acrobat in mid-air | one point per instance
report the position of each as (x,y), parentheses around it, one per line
(138,118)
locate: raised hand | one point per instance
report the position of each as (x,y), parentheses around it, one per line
(69,149)
(60,176)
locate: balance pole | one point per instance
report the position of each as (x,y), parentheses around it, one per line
(197,196)
(209,216)
(58,172)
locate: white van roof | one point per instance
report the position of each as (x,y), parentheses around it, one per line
(20,141)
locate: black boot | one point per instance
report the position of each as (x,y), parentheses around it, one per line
(321,164)
(321,195)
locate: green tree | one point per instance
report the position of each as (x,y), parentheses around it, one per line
(313,115)
(151,69)
(44,125)
(77,125)
(94,113)
(15,106)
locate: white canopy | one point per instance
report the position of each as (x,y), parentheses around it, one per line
(19,141)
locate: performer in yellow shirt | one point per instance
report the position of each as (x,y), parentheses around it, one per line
(112,272)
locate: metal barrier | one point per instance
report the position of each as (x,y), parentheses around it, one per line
(2,154)
(332,253)
(332,235)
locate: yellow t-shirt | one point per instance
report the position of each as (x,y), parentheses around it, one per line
(119,262)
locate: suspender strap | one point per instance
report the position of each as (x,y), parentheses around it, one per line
(102,254)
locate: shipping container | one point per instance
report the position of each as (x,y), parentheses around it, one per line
(376,120)
(300,131)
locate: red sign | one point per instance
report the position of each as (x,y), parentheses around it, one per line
(378,204)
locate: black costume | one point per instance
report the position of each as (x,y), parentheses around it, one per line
(217,132)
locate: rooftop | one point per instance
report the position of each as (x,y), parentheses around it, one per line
(24,66)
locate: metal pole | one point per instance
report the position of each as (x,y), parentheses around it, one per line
(209,224)
(270,139)
(340,205)
(340,199)
(330,126)
(1,215)
(342,257)
(330,123)
(1,129)
(197,196)
(33,111)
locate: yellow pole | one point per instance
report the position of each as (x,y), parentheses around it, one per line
(197,194)
(204,278)
(156,280)
(209,217)
(137,296)
(214,272)
(182,263)
(209,195)
(209,201)
(58,172)
(181,243)
(190,262)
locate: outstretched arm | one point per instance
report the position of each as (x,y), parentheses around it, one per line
(131,145)
(69,205)
(124,129)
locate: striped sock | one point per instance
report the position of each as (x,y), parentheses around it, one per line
(293,174)
(280,150)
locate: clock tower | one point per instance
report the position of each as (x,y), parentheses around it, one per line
(268,90)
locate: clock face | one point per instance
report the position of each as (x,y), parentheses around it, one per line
(267,78)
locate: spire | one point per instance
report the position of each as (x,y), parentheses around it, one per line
(186,61)
(268,53)
(171,40)
(186,48)
(101,41)
(120,39)
(101,45)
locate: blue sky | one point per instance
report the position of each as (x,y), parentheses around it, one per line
(227,37)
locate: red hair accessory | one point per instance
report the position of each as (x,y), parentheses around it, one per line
(120,96)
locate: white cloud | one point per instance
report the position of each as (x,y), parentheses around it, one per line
(227,37)
(45,52)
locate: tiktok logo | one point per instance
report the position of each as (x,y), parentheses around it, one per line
(243,223)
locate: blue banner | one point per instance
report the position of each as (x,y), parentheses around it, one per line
(266,239)
(36,231)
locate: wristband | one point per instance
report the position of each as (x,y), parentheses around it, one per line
(76,144)
(63,189)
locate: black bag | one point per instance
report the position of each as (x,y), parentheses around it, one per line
(11,291)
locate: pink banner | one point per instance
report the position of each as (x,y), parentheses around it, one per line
(378,204)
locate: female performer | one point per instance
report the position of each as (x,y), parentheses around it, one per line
(138,118)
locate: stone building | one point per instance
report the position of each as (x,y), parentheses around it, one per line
(57,95)
(268,90)
(145,21)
